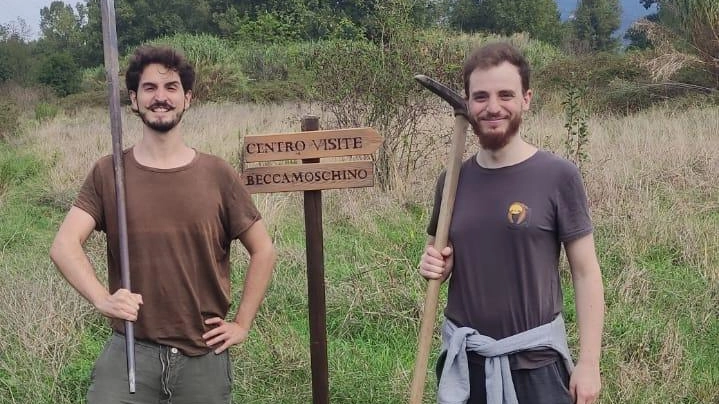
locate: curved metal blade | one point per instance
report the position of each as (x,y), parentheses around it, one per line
(455,100)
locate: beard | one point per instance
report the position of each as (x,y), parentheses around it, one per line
(492,139)
(160,125)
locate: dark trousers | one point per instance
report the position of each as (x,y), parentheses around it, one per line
(163,375)
(548,384)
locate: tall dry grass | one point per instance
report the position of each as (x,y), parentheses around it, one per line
(653,189)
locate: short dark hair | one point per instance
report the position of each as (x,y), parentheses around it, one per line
(166,56)
(492,55)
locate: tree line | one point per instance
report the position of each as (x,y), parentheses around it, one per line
(71,37)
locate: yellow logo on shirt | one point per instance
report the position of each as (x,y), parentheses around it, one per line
(517,213)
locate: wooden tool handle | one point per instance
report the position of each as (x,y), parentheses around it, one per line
(431,299)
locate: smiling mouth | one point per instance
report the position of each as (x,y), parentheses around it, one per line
(160,108)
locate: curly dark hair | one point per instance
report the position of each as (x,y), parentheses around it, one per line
(168,57)
(492,55)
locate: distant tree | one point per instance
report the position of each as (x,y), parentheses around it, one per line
(636,36)
(17,29)
(595,21)
(539,18)
(61,73)
(60,25)
(74,31)
(694,31)
(277,20)
(16,58)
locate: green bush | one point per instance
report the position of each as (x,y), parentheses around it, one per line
(267,28)
(277,72)
(218,72)
(74,103)
(45,111)
(94,79)
(615,83)
(9,118)
(61,73)
(274,62)
(594,70)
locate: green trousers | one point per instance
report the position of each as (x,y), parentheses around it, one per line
(163,375)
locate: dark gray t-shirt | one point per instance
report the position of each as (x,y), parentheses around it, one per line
(506,231)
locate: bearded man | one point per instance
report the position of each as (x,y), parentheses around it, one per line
(504,339)
(184,209)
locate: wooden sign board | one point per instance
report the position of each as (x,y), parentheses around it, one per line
(311,144)
(309,177)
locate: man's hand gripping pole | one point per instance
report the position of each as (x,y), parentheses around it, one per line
(454,162)
(109,40)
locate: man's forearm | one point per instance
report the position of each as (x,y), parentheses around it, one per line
(589,303)
(71,261)
(257,281)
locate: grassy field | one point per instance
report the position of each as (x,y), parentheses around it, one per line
(654,194)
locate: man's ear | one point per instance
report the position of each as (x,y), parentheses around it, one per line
(188,98)
(133,101)
(526,100)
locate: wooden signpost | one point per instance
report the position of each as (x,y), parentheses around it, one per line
(308,145)
(312,177)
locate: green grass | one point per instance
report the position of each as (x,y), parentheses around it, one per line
(74,376)
(661,329)
(372,304)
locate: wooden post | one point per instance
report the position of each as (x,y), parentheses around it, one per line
(312,177)
(316,282)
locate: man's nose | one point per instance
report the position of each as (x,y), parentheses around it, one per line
(160,95)
(493,105)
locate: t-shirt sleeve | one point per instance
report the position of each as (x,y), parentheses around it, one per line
(573,219)
(242,212)
(439,187)
(89,199)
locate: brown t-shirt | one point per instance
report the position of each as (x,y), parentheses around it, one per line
(180,223)
(506,231)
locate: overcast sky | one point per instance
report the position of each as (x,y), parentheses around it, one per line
(28,10)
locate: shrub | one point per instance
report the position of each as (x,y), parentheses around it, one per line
(9,119)
(576,119)
(61,73)
(218,74)
(614,83)
(276,61)
(595,70)
(94,79)
(276,72)
(45,111)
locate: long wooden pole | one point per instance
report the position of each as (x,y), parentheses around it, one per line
(441,239)
(316,283)
(109,39)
